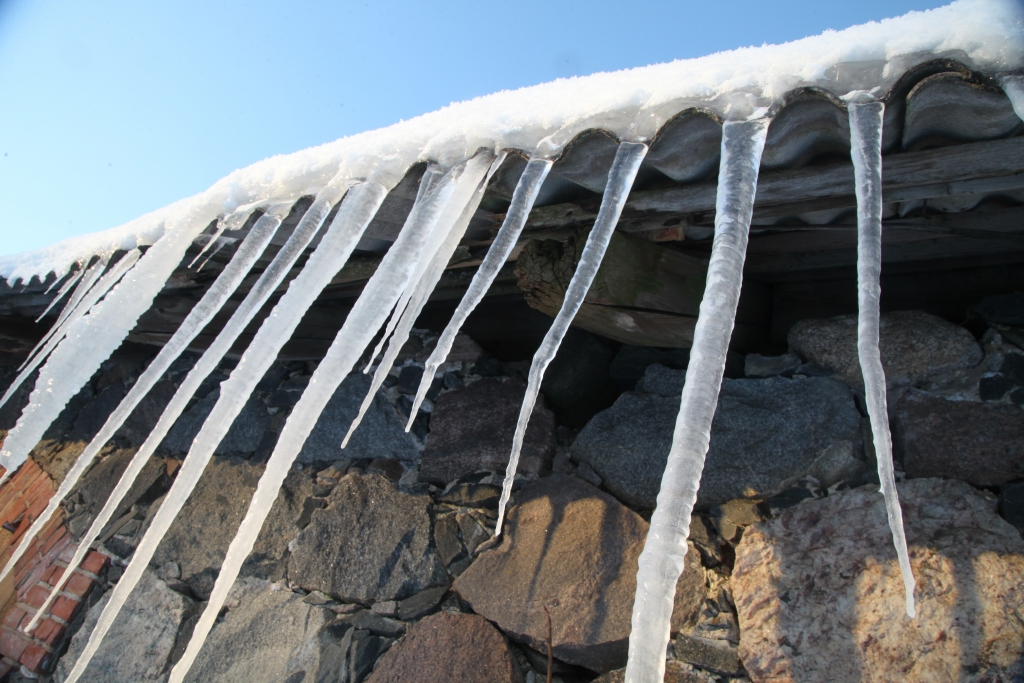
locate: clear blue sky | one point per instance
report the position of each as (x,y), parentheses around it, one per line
(109,110)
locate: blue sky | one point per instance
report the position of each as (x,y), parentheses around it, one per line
(109,110)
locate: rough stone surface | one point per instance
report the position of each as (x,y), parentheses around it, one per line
(99,481)
(140,423)
(756,365)
(139,644)
(574,549)
(471,495)
(714,655)
(421,604)
(242,438)
(1011,503)
(268,636)
(914,344)
(199,537)
(576,384)
(662,380)
(471,429)
(464,350)
(449,647)
(980,443)
(675,672)
(1001,309)
(290,514)
(820,597)
(371,543)
(380,434)
(767,433)
(631,362)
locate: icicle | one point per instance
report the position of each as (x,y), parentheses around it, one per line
(82,307)
(623,172)
(389,328)
(417,241)
(1013,86)
(330,256)
(64,289)
(866,149)
(92,338)
(221,243)
(201,314)
(661,561)
(523,198)
(67,282)
(92,274)
(222,226)
(420,288)
(265,286)
(427,183)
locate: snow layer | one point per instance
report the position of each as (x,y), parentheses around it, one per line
(987,35)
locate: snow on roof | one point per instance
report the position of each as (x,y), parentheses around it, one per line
(985,35)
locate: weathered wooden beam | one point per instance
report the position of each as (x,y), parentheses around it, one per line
(644,294)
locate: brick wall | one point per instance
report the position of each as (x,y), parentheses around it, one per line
(22,499)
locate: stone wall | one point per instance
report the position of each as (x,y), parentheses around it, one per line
(377,564)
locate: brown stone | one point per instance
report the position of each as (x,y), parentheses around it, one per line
(449,646)
(820,597)
(370,544)
(471,429)
(574,549)
(675,672)
(980,443)
(914,345)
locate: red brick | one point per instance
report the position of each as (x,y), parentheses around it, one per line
(53,574)
(29,558)
(12,644)
(79,585)
(32,657)
(66,555)
(64,608)
(55,522)
(36,506)
(49,631)
(94,563)
(56,538)
(13,618)
(35,596)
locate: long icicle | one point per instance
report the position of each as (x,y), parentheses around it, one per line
(1013,86)
(82,308)
(85,285)
(90,274)
(866,149)
(265,286)
(87,278)
(525,195)
(201,314)
(623,172)
(389,328)
(64,289)
(66,282)
(393,275)
(427,182)
(419,291)
(661,561)
(92,338)
(356,212)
